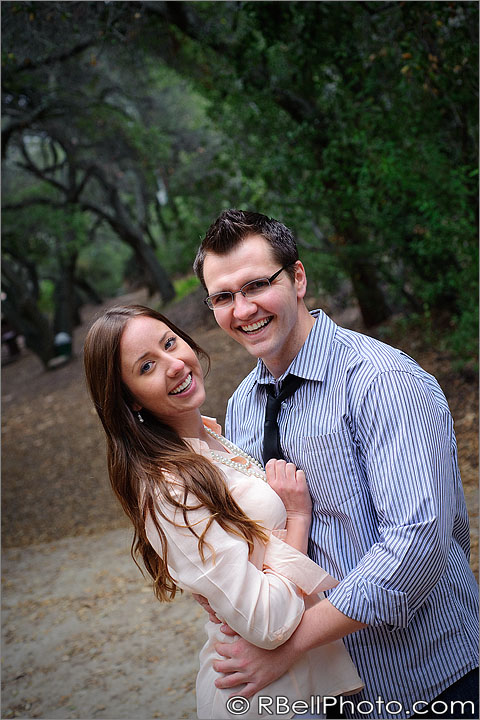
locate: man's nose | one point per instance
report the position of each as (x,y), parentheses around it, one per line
(243,306)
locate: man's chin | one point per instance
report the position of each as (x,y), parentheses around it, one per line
(254,347)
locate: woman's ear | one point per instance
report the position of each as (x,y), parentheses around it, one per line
(136,407)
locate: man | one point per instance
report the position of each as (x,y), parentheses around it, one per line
(375,437)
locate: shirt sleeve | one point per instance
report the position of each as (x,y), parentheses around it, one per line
(261,606)
(405,441)
(294,565)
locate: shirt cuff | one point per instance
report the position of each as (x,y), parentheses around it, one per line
(371,604)
(295,566)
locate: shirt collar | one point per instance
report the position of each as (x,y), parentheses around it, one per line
(311,361)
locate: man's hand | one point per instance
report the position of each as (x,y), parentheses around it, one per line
(249,666)
(204,603)
(254,668)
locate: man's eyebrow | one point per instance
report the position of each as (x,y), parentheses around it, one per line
(145,354)
(253,279)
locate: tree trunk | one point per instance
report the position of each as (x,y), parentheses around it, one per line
(65,301)
(156,278)
(88,291)
(24,314)
(368,292)
(159,280)
(363,275)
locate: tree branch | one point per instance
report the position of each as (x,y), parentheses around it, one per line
(29,202)
(22,122)
(31,167)
(61,57)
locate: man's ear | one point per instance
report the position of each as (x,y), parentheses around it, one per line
(300,279)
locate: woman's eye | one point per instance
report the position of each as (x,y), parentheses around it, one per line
(146,367)
(170,342)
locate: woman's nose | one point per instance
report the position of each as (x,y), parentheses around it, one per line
(175,366)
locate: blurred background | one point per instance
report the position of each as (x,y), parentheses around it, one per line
(127,127)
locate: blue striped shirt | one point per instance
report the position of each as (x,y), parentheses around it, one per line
(373,432)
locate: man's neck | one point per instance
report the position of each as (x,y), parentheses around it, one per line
(278,365)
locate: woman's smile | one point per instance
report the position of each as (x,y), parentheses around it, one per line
(183,386)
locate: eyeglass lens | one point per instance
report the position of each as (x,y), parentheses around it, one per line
(255,287)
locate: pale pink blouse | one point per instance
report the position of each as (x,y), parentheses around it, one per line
(262,596)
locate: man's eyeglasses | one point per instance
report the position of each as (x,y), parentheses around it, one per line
(221,300)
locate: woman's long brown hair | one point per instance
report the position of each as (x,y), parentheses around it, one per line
(139,455)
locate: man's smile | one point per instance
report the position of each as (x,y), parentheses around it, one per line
(253,327)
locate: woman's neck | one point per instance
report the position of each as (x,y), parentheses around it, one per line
(191,426)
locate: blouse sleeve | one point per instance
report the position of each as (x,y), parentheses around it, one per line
(294,565)
(264,607)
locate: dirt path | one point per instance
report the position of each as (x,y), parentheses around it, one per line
(83,636)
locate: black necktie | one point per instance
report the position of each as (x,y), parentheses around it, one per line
(271,436)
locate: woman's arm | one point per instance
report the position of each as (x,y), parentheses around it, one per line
(262,606)
(291,486)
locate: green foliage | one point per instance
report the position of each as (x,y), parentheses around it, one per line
(360,119)
(463,340)
(103,263)
(354,123)
(185,285)
(45,235)
(44,241)
(46,302)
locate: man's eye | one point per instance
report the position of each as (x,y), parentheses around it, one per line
(146,367)
(221,298)
(256,286)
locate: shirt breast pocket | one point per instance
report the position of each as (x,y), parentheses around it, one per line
(335,474)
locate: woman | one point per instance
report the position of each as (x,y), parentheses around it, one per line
(205,520)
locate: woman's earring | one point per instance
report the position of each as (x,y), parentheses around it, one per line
(140,418)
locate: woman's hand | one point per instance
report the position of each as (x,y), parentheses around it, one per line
(206,606)
(290,484)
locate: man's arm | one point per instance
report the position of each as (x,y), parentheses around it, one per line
(245,664)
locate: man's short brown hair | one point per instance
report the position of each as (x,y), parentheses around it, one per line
(232,227)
